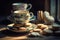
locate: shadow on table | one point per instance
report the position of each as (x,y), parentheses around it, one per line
(11,34)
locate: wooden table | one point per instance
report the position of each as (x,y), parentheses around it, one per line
(9,35)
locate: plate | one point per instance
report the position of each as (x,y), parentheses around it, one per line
(27,29)
(17,30)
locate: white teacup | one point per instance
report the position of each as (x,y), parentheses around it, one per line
(21,6)
(21,16)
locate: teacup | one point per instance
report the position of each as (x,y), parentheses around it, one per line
(21,16)
(21,6)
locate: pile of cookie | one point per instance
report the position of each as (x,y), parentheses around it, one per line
(33,29)
(41,29)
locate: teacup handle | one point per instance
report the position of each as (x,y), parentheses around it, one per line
(30,6)
(32,17)
(31,14)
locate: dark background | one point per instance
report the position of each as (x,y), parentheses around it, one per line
(6,7)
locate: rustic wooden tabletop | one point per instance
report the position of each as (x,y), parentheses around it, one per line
(9,35)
